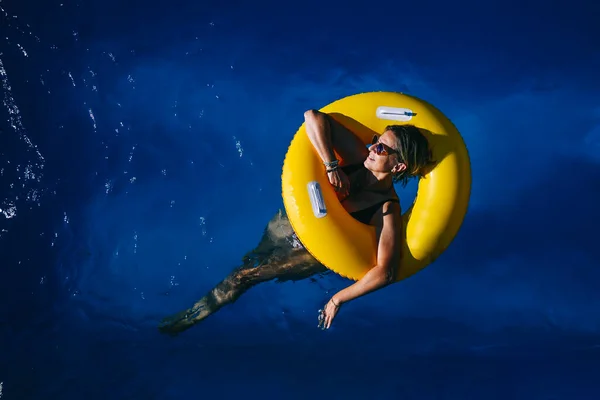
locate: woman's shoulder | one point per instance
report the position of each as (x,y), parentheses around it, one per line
(391,205)
(391,211)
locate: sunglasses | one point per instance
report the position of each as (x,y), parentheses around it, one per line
(380,148)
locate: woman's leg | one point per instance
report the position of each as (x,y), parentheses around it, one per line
(279,255)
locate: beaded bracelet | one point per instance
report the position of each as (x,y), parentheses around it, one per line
(332,164)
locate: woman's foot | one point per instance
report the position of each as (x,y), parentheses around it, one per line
(184,320)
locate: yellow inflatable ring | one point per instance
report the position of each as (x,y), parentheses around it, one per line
(347,246)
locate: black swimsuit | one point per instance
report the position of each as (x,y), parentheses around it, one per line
(366,214)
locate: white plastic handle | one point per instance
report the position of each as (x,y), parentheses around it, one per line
(394,114)
(316,199)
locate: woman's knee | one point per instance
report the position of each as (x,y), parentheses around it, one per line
(279,228)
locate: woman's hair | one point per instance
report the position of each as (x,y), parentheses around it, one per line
(413,150)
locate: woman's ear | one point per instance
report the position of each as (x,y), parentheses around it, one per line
(399,167)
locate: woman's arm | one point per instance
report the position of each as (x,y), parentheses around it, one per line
(388,257)
(382,274)
(327,135)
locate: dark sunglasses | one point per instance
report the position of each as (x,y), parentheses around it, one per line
(380,148)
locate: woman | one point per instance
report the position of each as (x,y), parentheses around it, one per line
(364,185)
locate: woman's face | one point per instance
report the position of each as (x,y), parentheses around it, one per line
(382,155)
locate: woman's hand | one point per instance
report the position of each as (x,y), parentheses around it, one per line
(328,313)
(340,182)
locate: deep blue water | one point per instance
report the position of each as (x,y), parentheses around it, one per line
(140,155)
